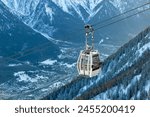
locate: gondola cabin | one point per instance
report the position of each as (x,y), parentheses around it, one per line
(88,63)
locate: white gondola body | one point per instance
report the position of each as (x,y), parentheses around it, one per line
(88,63)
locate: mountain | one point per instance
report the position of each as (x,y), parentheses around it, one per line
(15,36)
(27,59)
(64,20)
(45,38)
(46,17)
(124,75)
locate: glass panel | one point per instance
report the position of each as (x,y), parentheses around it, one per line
(96,62)
(84,62)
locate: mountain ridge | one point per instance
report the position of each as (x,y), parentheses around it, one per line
(50,19)
(12,30)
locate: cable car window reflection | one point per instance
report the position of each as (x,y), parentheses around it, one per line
(84,62)
(96,62)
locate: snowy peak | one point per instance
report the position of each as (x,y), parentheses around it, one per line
(88,5)
(24,7)
(15,36)
(80,7)
(84,9)
(6,18)
(51,16)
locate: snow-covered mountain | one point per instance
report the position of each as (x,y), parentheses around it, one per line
(124,75)
(64,19)
(15,36)
(25,7)
(90,7)
(23,23)
(30,65)
(86,6)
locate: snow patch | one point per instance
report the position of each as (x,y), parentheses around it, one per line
(27,62)
(101,41)
(133,81)
(68,65)
(57,84)
(106,95)
(103,96)
(48,62)
(60,56)
(143,49)
(107,38)
(49,12)
(119,4)
(137,77)
(147,87)
(55,41)
(15,4)
(138,94)
(123,67)
(22,76)
(14,65)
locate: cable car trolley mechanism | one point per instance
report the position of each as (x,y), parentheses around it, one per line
(88,63)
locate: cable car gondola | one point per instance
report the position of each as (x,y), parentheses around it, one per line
(88,63)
